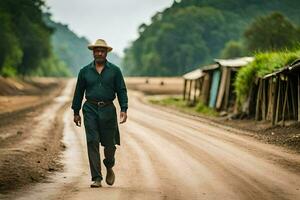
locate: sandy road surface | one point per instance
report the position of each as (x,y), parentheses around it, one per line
(171,156)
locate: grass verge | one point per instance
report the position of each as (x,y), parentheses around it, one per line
(180,104)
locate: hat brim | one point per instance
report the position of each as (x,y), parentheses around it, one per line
(91,47)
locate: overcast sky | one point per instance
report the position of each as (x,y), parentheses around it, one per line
(116,21)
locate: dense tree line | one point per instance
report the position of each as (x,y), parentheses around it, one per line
(273,32)
(25,44)
(71,48)
(193,32)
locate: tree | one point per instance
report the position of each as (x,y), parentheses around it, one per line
(193,32)
(233,49)
(271,32)
(26,37)
(176,43)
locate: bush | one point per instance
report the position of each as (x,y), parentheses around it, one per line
(8,71)
(263,64)
(202,108)
(233,49)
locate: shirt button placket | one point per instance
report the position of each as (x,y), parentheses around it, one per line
(100,84)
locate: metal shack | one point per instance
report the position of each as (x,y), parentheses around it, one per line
(197,84)
(213,84)
(226,98)
(192,84)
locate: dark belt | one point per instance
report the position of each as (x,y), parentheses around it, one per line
(100,103)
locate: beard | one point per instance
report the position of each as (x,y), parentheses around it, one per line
(99,60)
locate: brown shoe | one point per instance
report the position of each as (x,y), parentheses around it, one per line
(110,176)
(96,184)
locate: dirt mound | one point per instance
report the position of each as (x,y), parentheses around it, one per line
(26,86)
(19,94)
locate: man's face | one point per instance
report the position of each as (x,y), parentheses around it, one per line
(100,54)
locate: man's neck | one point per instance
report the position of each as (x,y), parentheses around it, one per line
(99,64)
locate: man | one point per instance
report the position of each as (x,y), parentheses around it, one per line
(100,81)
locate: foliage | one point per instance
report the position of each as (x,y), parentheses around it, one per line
(181,104)
(169,50)
(193,32)
(8,71)
(263,64)
(233,49)
(52,67)
(10,50)
(272,32)
(204,109)
(25,44)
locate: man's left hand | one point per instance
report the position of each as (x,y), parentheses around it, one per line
(123,117)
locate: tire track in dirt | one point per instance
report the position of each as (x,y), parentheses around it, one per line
(169,156)
(176,169)
(277,155)
(133,167)
(188,163)
(201,169)
(175,130)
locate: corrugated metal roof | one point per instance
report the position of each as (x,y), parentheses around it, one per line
(237,62)
(193,75)
(209,67)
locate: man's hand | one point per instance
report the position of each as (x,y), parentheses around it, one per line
(77,120)
(123,117)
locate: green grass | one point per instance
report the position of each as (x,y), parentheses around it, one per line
(202,108)
(264,64)
(180,104)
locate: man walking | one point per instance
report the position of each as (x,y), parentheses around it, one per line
(100,81)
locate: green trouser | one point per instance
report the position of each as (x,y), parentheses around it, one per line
(101,127)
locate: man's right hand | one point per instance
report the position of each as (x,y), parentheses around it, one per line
(77,120)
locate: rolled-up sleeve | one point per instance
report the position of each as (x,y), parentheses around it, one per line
(78,94)
(121,91)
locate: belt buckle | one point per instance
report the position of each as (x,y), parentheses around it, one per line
(100,103)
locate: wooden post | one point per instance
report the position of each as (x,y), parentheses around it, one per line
(285,100)
(270,100)
(264,99)
(205,88)
(278,99)
(195,90)
(184,89)
(222,85)
(200,87)
(298,97)
(190,89)
(293,101)
(258,101)
(275,88)
(227,89)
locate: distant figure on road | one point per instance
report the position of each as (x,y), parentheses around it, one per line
(100,81)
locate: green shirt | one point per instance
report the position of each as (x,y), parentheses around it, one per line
(100,87)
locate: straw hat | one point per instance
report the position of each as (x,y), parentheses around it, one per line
(100,43)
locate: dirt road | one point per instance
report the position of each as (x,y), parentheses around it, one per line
(167,155)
